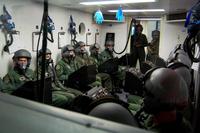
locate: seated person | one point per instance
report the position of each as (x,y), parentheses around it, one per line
(67,65)
(61,96)
(107,53)
(166,97)
(94,56)
(94,53)
(20,73)
(118,76)
(83,59)
(82,54)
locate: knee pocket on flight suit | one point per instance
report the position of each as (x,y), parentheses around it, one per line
(62,98)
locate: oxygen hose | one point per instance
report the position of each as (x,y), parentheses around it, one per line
(129,34)
(188,48)
(50,39)
(8,43)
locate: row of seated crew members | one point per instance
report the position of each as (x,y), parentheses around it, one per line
(62,95)
(72,60)
(69,63)
(21,73)
(167,92)
(152,107)
(84,59)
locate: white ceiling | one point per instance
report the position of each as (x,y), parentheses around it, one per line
(170,6)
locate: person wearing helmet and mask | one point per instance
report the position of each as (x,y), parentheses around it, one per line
(84,59)
(61,96)
(94,53)
(94,56)
(48,62)
(82,55)
(20,73)
(67,65)
(166,95)
(138,42)
(108,52)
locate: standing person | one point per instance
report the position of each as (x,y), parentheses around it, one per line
(138,42)
(153,48)
(21,73)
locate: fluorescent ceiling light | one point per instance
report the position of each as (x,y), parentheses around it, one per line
(146,19)
(140,10)
(115,2)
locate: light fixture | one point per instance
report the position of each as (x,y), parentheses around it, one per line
(115,2)
(139,10)
(148,19)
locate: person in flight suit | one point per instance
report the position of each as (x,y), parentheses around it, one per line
(82,54)
(108,52)
(84,59)
(61,96)
(67,65)
(21,72)
(166,96)
(94,53)
(94,56)
(153,48)
(138,42)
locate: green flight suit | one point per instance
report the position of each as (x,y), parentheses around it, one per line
(105,78)
(61,96)
(1,83)
(65,67)
(15,78)
(101,78)
(153,51)
(135,103)
(147,121)
(6,87)
(85,60)
(95,59)
(105,55)
(117,77)
(153,48)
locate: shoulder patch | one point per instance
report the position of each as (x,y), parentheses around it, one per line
(57,67)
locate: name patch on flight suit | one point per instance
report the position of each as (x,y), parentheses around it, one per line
(47,74)
(58,67)
(22,78)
